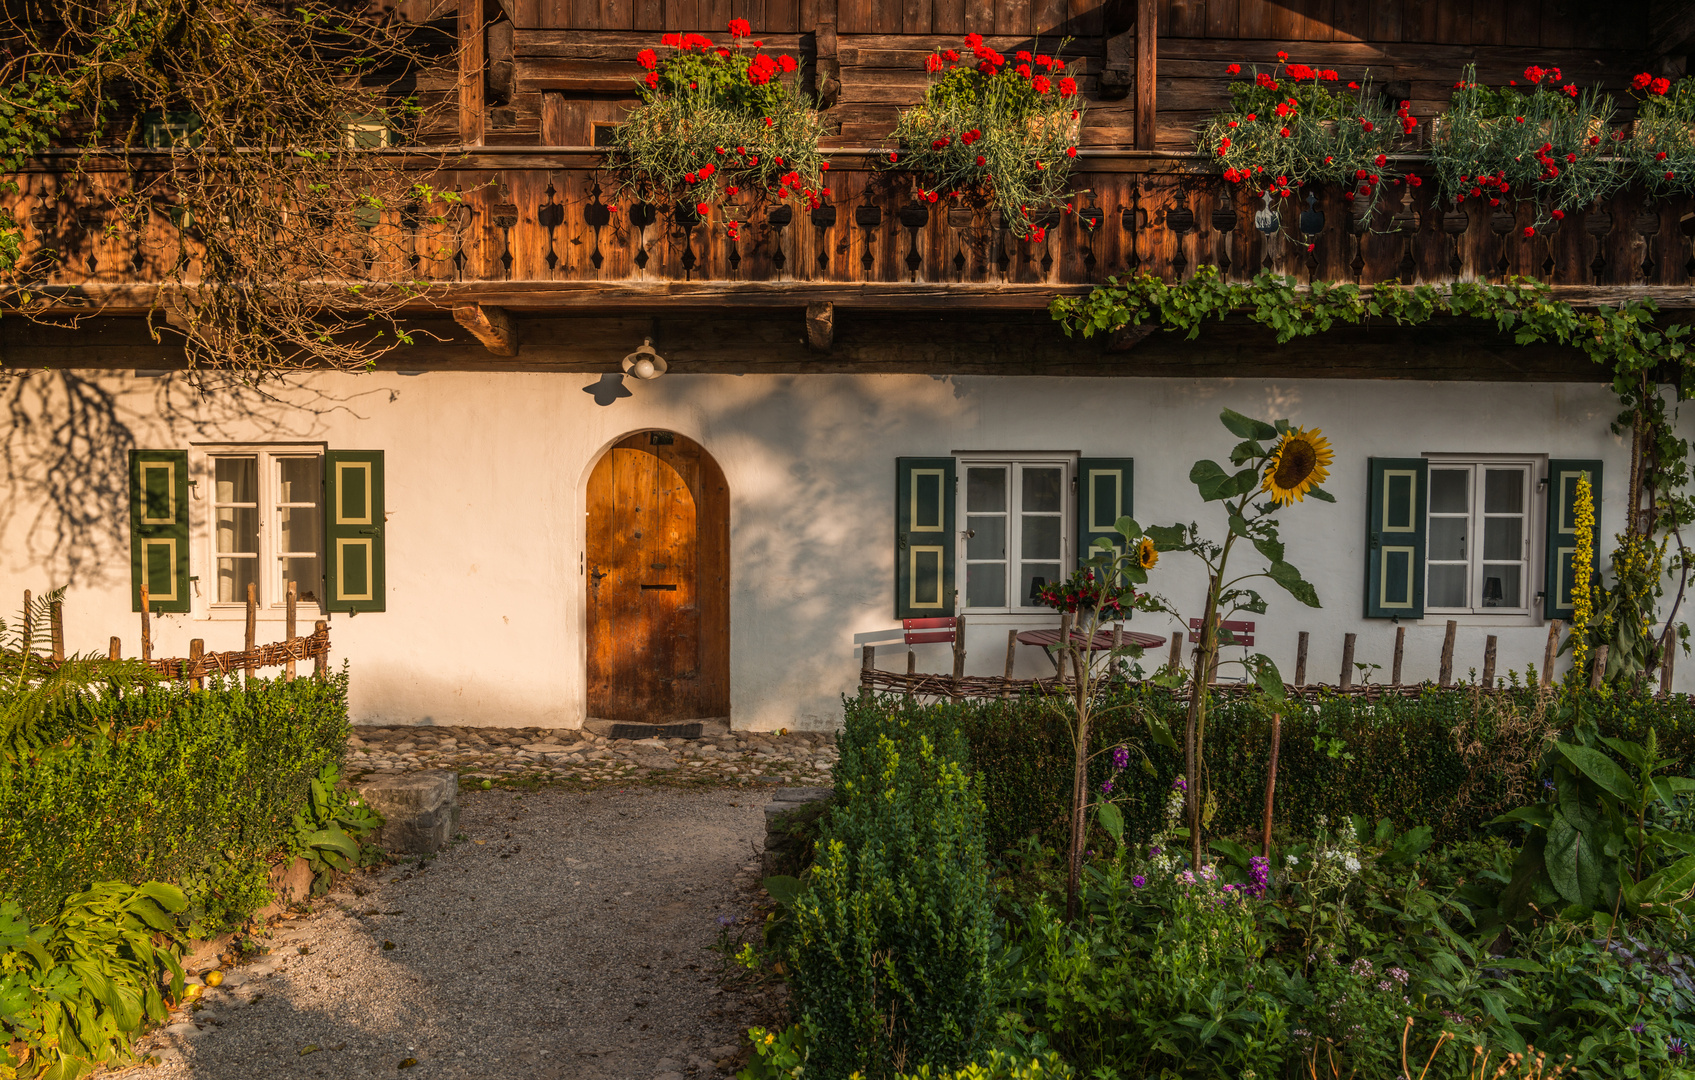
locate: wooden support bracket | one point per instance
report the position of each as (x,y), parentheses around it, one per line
(491,325)
(821,326)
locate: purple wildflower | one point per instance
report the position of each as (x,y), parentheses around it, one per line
(1106,787)
(1139,881)
(1259,874)
(1180,784)
(1120,757)
(1638,1028)
(1155,850)
(1676,1047)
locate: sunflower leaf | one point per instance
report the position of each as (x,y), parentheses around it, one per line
(1127,528)
(1320,494)
(1246,427)
(1246,450)
(1167,537)
(1208,479)
(1270,547)
(1292,582)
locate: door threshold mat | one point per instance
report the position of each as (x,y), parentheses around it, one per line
(650,731)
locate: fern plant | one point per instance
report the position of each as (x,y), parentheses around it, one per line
(43,700)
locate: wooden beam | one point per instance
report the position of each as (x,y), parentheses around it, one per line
(472,73)
(1671,27)
(491,325)
(1147,64)
(820,325)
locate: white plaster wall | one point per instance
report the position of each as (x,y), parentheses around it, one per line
(486,474)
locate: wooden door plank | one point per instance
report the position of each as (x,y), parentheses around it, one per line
(1457,21)
(1387,17)
(1254,19)
(1221,19)
(948,16)
(1351,20)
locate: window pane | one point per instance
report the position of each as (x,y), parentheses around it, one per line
(1450,491)
(1501,586)
(1447,586)
(1041,537)
(1503,491)
(237,479)
(298,480)
(985,490)
(304,574)
(1043,491)
(1035,574)
(985,585)
(1447,538)
(1503,538)
(299,528)
(989,538)
(238,529)
(234,575)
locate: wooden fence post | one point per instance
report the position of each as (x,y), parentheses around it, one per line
(1600,669)
(116,652)
(1011,658)
(1301,658)
(958,652)
(252,628)
(29,627)
(196,653)
(1549,653)
(1347,679)
(293,597)
(1271,780)
(56,624)
(1176,660)
(1665,667)
(1400,650)
(1489,662)
(911,670)
(1064,643)
(1445,676)
(867,664)
(321,667)
(146,627)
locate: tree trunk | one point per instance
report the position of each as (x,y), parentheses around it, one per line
(1079,791)
(1197,722)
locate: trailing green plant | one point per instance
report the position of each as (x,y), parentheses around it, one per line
(890,957)
(42,699)
(1661,145)
(714,121)
(77,987)
(1292,467)
(1596,841)
(999,1066)
(1549,146)
(995,132)
(1287,128)
(198,788)
(330,829)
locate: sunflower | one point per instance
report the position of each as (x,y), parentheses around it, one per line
(1146,553)
(1300,463)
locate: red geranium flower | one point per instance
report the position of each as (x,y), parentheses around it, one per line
(1068,86)
(1530,230)
(1534,73)
(652,80)
(703,209)
(1558,215)
(1071,151)
(647,58)
(1659,86)
(1233,69)
(739,28)
(787,62)
(981,161)
(973,41)
(932,63)
(1640,82)
(1040,84)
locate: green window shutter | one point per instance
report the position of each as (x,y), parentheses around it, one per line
(924,537)
(1394,549)
(1562,531)
(353,531)
(1104,494)
(158,529)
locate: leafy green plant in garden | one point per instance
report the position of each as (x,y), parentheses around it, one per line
(77,987)
(1287,128)
(995,131)
(1595,843)
(1288,470)
(1550,146)
(890,949)
(40,699)
(330,830)
(715,120)
(1661,146)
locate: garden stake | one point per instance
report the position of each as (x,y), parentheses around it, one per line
(252,617)
(196,650)
(56,623)
(1665,671)
(1011,656)
(322,667)
(1301,658)
(1347,678)
(117,650)
(867,663)
(293,596)
(1550,652)
(29,627)
(1489,662)
(1176,661)
(1271,782)
(1600,669)
(1400,648)
(146,630)
(1446,676)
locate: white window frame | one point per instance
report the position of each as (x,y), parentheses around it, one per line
(1535,467)
(1019,604)
(204,534)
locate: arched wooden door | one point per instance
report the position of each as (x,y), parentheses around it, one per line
(658,573)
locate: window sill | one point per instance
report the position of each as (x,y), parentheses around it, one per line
(1436,618)
(304,614)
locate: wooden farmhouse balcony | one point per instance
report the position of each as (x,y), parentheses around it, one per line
(537,231)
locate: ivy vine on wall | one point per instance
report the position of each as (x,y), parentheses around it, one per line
(1647,364)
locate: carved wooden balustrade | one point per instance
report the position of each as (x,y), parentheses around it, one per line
(545,230)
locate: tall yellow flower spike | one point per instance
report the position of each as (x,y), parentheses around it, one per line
(1299,463)
(1582,569)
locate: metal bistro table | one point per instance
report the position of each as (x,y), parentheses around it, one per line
(1102,641)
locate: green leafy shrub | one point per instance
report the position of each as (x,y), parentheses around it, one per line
(1001,132)
(890,947)
(329,830)
(999,1066)
(75,988)
(1451,759)
(198,788)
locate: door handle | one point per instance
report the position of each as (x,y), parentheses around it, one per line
(596,573)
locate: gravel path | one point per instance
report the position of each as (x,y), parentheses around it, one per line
(570,935)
